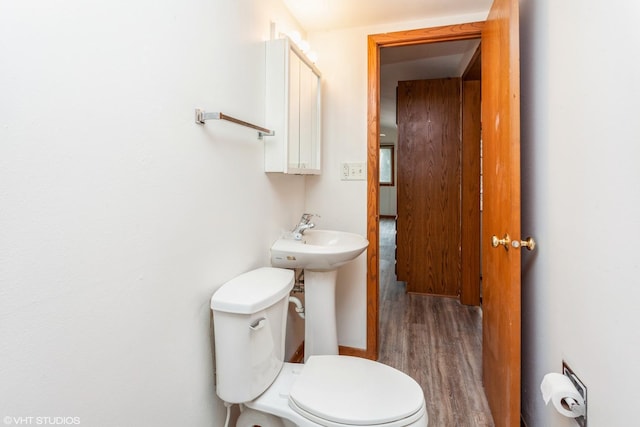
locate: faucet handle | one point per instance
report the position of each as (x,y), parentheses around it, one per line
(306,217)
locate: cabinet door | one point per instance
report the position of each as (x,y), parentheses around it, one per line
(293,110)
(309,119)
(294,115)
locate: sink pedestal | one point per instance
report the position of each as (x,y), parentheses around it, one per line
(320,332)
(320,253)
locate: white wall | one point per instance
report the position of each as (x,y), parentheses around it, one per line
(343,204)
(119,216)
(388,200)
(580,134)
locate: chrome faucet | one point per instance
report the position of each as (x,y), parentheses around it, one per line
(304,224)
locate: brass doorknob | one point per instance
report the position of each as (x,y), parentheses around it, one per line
(505,241)
(528,243)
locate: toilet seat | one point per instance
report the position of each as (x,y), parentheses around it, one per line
(351,391)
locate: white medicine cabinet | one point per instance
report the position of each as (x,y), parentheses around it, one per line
(292,110)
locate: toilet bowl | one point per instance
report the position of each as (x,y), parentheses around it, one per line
(339,391)
(327,390)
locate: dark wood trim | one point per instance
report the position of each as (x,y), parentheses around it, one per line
(374,43)
(470,192)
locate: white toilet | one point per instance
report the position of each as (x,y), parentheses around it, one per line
(250,315)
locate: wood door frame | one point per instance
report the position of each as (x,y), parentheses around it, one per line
(465,31)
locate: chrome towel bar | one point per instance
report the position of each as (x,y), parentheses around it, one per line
(201,116)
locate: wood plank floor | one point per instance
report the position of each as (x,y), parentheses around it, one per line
(437,341)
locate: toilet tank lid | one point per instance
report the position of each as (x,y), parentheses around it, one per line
(253,291)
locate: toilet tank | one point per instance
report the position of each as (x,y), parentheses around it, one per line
(249,320)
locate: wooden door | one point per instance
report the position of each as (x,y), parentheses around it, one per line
(428,186)
(501,213)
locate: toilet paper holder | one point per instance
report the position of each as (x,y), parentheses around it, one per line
(582,389)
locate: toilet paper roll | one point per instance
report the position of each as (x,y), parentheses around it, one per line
(565,397)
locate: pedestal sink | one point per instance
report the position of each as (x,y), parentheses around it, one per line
(320,253)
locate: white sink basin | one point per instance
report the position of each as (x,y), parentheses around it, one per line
(319,250)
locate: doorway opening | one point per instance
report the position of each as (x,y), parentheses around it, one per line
(378,42)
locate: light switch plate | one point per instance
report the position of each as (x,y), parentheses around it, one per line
(353,171)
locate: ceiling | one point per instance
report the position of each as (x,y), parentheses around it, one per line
(427,61)
(319,15)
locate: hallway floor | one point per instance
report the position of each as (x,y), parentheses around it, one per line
(437,341)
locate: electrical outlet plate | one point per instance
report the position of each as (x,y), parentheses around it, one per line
(582,389)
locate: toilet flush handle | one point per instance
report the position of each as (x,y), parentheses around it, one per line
(258,324)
